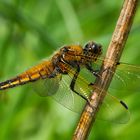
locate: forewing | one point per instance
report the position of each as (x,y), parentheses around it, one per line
(127,78)
(112,108)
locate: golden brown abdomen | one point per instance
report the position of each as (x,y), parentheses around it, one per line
(42,70)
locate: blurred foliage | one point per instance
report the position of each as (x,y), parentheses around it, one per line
(31,30)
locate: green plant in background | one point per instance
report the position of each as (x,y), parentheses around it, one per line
(33,30)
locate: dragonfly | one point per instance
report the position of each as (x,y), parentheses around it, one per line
(67,76)
(67,57)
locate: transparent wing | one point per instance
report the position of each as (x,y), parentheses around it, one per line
(67,97)
(47,87)
(127,78)
(114,110)
(59,89)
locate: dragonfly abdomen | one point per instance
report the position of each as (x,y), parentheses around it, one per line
(11,83)
(40,71)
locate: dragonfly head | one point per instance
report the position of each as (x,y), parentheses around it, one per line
(92,48)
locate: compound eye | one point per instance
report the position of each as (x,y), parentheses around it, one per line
(95,48)
(87,48)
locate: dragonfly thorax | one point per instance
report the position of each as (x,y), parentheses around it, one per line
(76,55)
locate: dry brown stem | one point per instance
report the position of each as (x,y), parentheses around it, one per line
(114,52)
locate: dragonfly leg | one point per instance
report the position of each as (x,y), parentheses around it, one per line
(72,85)
(94,72)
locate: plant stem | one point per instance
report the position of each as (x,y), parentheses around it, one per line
(113,54)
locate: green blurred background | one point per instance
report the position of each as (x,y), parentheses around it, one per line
(31,30)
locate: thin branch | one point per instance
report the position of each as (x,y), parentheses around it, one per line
(113,55)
